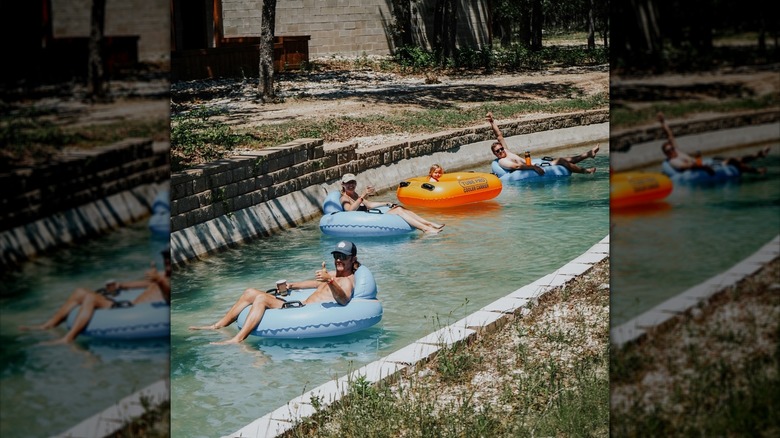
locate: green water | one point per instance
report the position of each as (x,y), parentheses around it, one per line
(697,233)
(46,390)
(486,251)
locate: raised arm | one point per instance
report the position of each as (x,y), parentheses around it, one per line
(499,135)
(667,129)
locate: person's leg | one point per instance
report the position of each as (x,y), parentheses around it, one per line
(577,158)
(152,293)
(246,298)
(573,168)
(259,306)
(75,299)
(744,168)
(409,213)
(89,304)
(411,220)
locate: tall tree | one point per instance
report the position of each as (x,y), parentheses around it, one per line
(97,85)
(445,28)
(537,21)
(265,86)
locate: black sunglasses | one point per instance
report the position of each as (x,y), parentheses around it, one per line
(498,150)
(339,256)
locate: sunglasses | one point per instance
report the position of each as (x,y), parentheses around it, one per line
(340,256)
(498,150)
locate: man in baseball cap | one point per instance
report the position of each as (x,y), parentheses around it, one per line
(337,285)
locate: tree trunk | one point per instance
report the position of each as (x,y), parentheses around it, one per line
(265,87)
(97,89)
(537,20)
(591,26)
(403,35)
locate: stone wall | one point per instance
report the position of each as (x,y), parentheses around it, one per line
(79,194)
(254,194)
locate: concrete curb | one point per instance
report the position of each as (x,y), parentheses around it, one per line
(637,328)
(386,369)
(115,417)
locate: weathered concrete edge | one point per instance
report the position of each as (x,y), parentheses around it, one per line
(409,358)
(638,328)
(117,416)
(293,209)
(26,241)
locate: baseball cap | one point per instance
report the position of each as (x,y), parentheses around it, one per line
(346,248)
(347,178)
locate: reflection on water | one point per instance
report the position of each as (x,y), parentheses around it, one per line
(699,233)
(53,388)
(486,250)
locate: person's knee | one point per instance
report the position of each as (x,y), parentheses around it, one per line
(251,293)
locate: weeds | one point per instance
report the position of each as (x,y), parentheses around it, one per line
(493,387)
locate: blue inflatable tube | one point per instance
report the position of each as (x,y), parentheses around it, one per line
(723,172)
(319,320)
(141,321)
(551,171)
(374,223)
(160,222)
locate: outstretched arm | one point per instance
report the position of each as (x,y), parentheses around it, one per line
(667,129)
(499,135)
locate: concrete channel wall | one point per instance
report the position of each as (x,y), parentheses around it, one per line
(79,194)
(256,193)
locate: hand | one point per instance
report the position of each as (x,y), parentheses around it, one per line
(369,191)
(322,274)
(489,117)
(660,117)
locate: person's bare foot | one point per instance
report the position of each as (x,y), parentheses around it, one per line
(764,152)
(761,170)
(433,231)
(60,341)
(438,226)
(27,328)
(204,327)
(592,153)
(590,170)
(229,341)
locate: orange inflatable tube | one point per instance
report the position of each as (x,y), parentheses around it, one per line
(628,189)
(456,188)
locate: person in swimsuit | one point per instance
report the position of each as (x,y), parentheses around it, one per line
(435,173)
(351,201)
(157,287)
(335,286)
(510,161)
(681,161)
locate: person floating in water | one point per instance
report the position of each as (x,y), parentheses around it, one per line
(156,285)
(681,161)
(510,161)
(337,285)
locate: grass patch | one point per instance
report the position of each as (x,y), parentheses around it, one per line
(716,374)
(29,136)
(622,117)
(199,136)
(516,382)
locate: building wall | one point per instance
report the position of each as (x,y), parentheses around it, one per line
(149,19)
(348,27)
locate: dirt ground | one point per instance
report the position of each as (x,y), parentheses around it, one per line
(322,95)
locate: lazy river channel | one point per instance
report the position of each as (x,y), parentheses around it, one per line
(486,251)
(50,389)
(697,232)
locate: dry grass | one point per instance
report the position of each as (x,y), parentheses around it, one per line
(712,372)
